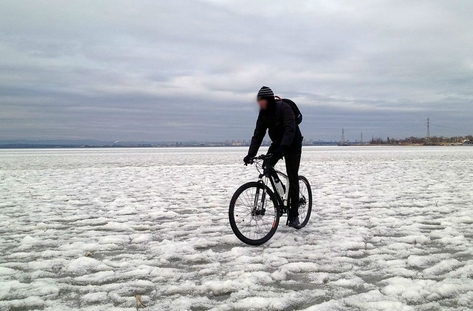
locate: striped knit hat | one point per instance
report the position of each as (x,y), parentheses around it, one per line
(265,92)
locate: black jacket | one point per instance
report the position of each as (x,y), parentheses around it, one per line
(282,127)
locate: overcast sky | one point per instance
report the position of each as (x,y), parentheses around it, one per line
(189,70)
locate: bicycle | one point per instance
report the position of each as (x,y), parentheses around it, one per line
(255,208)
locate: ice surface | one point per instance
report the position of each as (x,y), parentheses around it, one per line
(90,229)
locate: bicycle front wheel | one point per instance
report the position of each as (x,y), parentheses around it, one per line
(254,213)
(305,201)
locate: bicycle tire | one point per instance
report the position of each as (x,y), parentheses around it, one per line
(231,214)
(308,200)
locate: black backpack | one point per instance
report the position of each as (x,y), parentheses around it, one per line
(297,112)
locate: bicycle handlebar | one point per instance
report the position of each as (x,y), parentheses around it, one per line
(262,157)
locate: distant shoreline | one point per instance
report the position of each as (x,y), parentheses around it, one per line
(6,147)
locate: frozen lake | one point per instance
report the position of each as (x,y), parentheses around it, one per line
(391,229)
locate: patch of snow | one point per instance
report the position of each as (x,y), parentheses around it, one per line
(84,265)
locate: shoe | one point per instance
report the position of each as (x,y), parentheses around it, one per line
(294,223)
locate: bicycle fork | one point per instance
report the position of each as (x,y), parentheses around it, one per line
(259,210)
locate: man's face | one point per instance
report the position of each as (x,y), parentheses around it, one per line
(263,104)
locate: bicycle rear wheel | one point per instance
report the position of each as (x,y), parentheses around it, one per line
(305,201)
(254,213)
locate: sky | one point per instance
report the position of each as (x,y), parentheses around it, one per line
(186,70)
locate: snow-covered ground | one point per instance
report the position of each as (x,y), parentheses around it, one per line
(90,229)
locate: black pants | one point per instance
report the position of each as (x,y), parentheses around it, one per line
(293,161)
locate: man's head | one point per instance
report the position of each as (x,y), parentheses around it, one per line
(265,98)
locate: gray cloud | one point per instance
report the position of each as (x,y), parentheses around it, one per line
(189,70)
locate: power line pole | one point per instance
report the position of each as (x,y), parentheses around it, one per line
(342,141)
(428,129)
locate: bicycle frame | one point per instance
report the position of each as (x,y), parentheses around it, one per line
(272,176)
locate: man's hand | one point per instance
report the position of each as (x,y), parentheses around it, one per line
(248,159)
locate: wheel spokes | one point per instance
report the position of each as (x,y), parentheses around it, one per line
(303,199)
(254,214)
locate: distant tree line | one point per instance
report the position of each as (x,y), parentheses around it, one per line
(434,140)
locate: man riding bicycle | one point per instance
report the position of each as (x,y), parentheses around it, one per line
(278,117)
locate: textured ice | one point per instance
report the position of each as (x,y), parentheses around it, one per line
(90,229)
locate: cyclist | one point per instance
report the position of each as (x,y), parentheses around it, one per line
(278,117)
